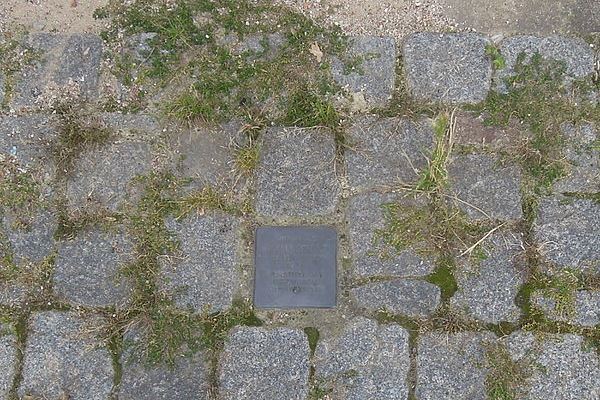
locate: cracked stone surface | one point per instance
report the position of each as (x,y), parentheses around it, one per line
(367,361)
(61,360)
(187,379)
(8,359)
(574,52)
(565,368)
(567,230)
(64,60)
(375,73)
(34,241)
(407,297)
(583,155)
(585,312)
(487,288)
(103,176)
(491,190)
(451,366)
(296,175)
(262,364)
(204,275)
(388,151)
(447,67)
(370,258)
(87,269)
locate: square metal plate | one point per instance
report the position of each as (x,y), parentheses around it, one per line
(295,267)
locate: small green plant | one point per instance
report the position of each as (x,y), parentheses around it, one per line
(435,176)
(497,58)
(306,108)
(562,288)
(506,377)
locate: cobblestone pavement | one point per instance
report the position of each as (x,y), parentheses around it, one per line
(463,272)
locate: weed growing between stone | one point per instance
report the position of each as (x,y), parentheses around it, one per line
(506,378)
(538,97)
(228,57)
(498,61)
(434,177)
(78,130)
(169,331)
(402,104)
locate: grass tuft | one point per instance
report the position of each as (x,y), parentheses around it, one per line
(78,130)
(506,377)
(435,177)
(247,158)
(306,108)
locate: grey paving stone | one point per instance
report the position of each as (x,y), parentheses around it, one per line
(103,176)
(132,125)
(186,379)
(472,132)
(8,360)
(370,258)
(561,366)
(2,83)
(254,46)
(206,155)
(491,190)
(586,308)
(451,366)
(86,270)
(63,361)
(583,155)
(567,231)
(367,361)
(375,73)
(447,67)
(261,364)
(63,59)
(12,294)
(296,175)
(387,151)
(204,275)
(487,288)
(412,298)
(34,241)
(27,140)
(574,52)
